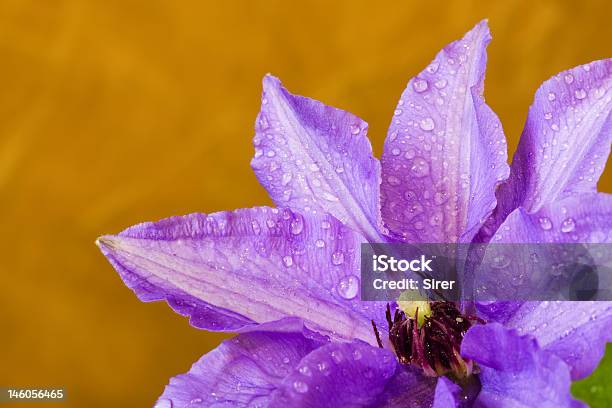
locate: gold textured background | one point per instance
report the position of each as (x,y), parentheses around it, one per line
(116,112)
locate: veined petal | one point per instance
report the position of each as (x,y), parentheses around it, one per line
(565,143)
(515,371)
(352,375)
(445,151)
(241,372)
(316,158)
(256,265)
(575,331)
(583,218)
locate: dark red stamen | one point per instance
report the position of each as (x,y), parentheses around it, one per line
(435,346)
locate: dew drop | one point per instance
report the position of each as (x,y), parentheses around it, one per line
(300,387)
(297,226)
(348,287)
(569,78)
(427,124)
(355,129)
(433,67)
(410,153)
(319,243)
(551,96)
(337,258)
(440,197)
(420,167)
(337,356)
(323,367)
(441,83)
(548,115)
(392,180)
(397,112)
(545,223)
(396,151)
(568,225)
(554,127)
(580,93)
(271,153)
(288,261)
(305,370)
(420,85)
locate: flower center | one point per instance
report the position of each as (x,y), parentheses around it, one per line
(431,342)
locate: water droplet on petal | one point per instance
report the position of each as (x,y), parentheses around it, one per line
(286,179)
(323,367)
(355,129)
(420,167)
(580,93)
(441,83)
(569,78)
(433,67)
(396,151)
(440,197)
(348,286)
(551,96)
(300,387)
(397,112)
(420,85)
(288,261)
(297,225)
(305,370)
(319,243)
(337,258)
(392,180)
(545,223)
(337,356)
(568,225)
(427,124)
(410,153)
(548,115)
(271,153)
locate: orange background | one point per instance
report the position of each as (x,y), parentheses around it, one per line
(116,112)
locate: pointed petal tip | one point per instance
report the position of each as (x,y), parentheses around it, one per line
(480,32)
(270,81)
(106,242)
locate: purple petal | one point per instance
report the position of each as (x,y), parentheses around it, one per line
(243,371)
(315,158)
(445,150)
(515,372)
(584,218)
(352,375)
(448,394)
(254,265)
(575,331)
(566,141)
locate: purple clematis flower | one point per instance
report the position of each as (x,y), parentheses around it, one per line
(286,279)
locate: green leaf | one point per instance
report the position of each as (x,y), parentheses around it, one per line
(596,389)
